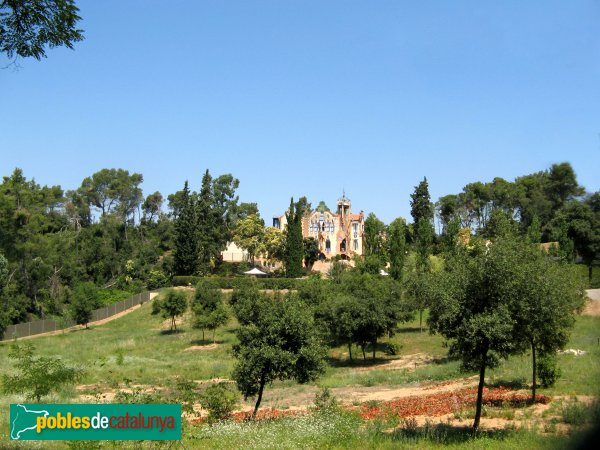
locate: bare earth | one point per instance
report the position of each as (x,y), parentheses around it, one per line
(201,348)
(592,308)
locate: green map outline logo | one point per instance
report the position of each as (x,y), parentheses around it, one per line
(108,421)
(13,422)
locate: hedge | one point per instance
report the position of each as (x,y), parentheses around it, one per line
(232,283)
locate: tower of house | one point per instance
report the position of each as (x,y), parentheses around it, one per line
(344,208)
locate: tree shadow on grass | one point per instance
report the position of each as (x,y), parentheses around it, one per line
(443,433)
(206,342)
(168,332)
(356,362)
(413,330)
(516,384)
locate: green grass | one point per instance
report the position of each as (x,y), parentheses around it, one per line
(580,374)
(584,271)
(136,348)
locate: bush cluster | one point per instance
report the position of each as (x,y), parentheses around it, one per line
(239,282)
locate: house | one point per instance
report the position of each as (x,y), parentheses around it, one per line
(338,234)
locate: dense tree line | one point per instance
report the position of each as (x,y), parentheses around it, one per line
(104,233)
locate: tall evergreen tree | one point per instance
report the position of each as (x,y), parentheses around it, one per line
(185,254)
(294,246)
(205,222)
(420,202)
(397,248)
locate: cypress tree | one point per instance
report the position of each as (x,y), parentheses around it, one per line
(421,210)
(206,223)
(397,248)
(420,202)
(185,254)
(294,245)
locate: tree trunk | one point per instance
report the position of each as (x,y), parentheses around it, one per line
(214,331)
(363,350)
(480,392)
(421,320)
(374,343)
(534,371)
(590,273)
(350,350)
(260,393)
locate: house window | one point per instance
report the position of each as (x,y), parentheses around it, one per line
(355,244)
(328,246)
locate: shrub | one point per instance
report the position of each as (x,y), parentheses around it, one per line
(219,400)
(574,413)
(38,375)
(239,282)
(392,348)
(548,370)
(157,279)
(173,304)
(325,401)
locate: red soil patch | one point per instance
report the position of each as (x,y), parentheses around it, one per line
(446,403)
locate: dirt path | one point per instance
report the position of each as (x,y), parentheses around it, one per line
(302,397)
(592,308)
(81,327)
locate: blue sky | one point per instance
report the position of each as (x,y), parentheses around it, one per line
(312,97)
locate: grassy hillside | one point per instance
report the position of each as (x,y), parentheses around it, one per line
(136,350)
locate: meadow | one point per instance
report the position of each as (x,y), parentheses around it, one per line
(137,354)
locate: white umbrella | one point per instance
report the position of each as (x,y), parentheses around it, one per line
(255,271)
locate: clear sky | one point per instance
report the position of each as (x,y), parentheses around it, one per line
(312,97)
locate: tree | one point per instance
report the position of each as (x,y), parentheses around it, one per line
(294,247)
(208,308)
(249,233)
(173,304)
(216,215)
(27,27)
(152,206)
(562,184)
(341,316)
(420,289)
(4,319)
(374,312)
(397,248)
(450,235)
(424,241)
(113,191)
(420,203)
(273,243)
(83,302)
(311,252)
(38,375)
(374,236)
(279,343)
(472,308)
(581,222)
(185,253)
(545,297)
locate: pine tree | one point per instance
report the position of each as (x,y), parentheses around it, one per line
(294,246)
(185,254)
